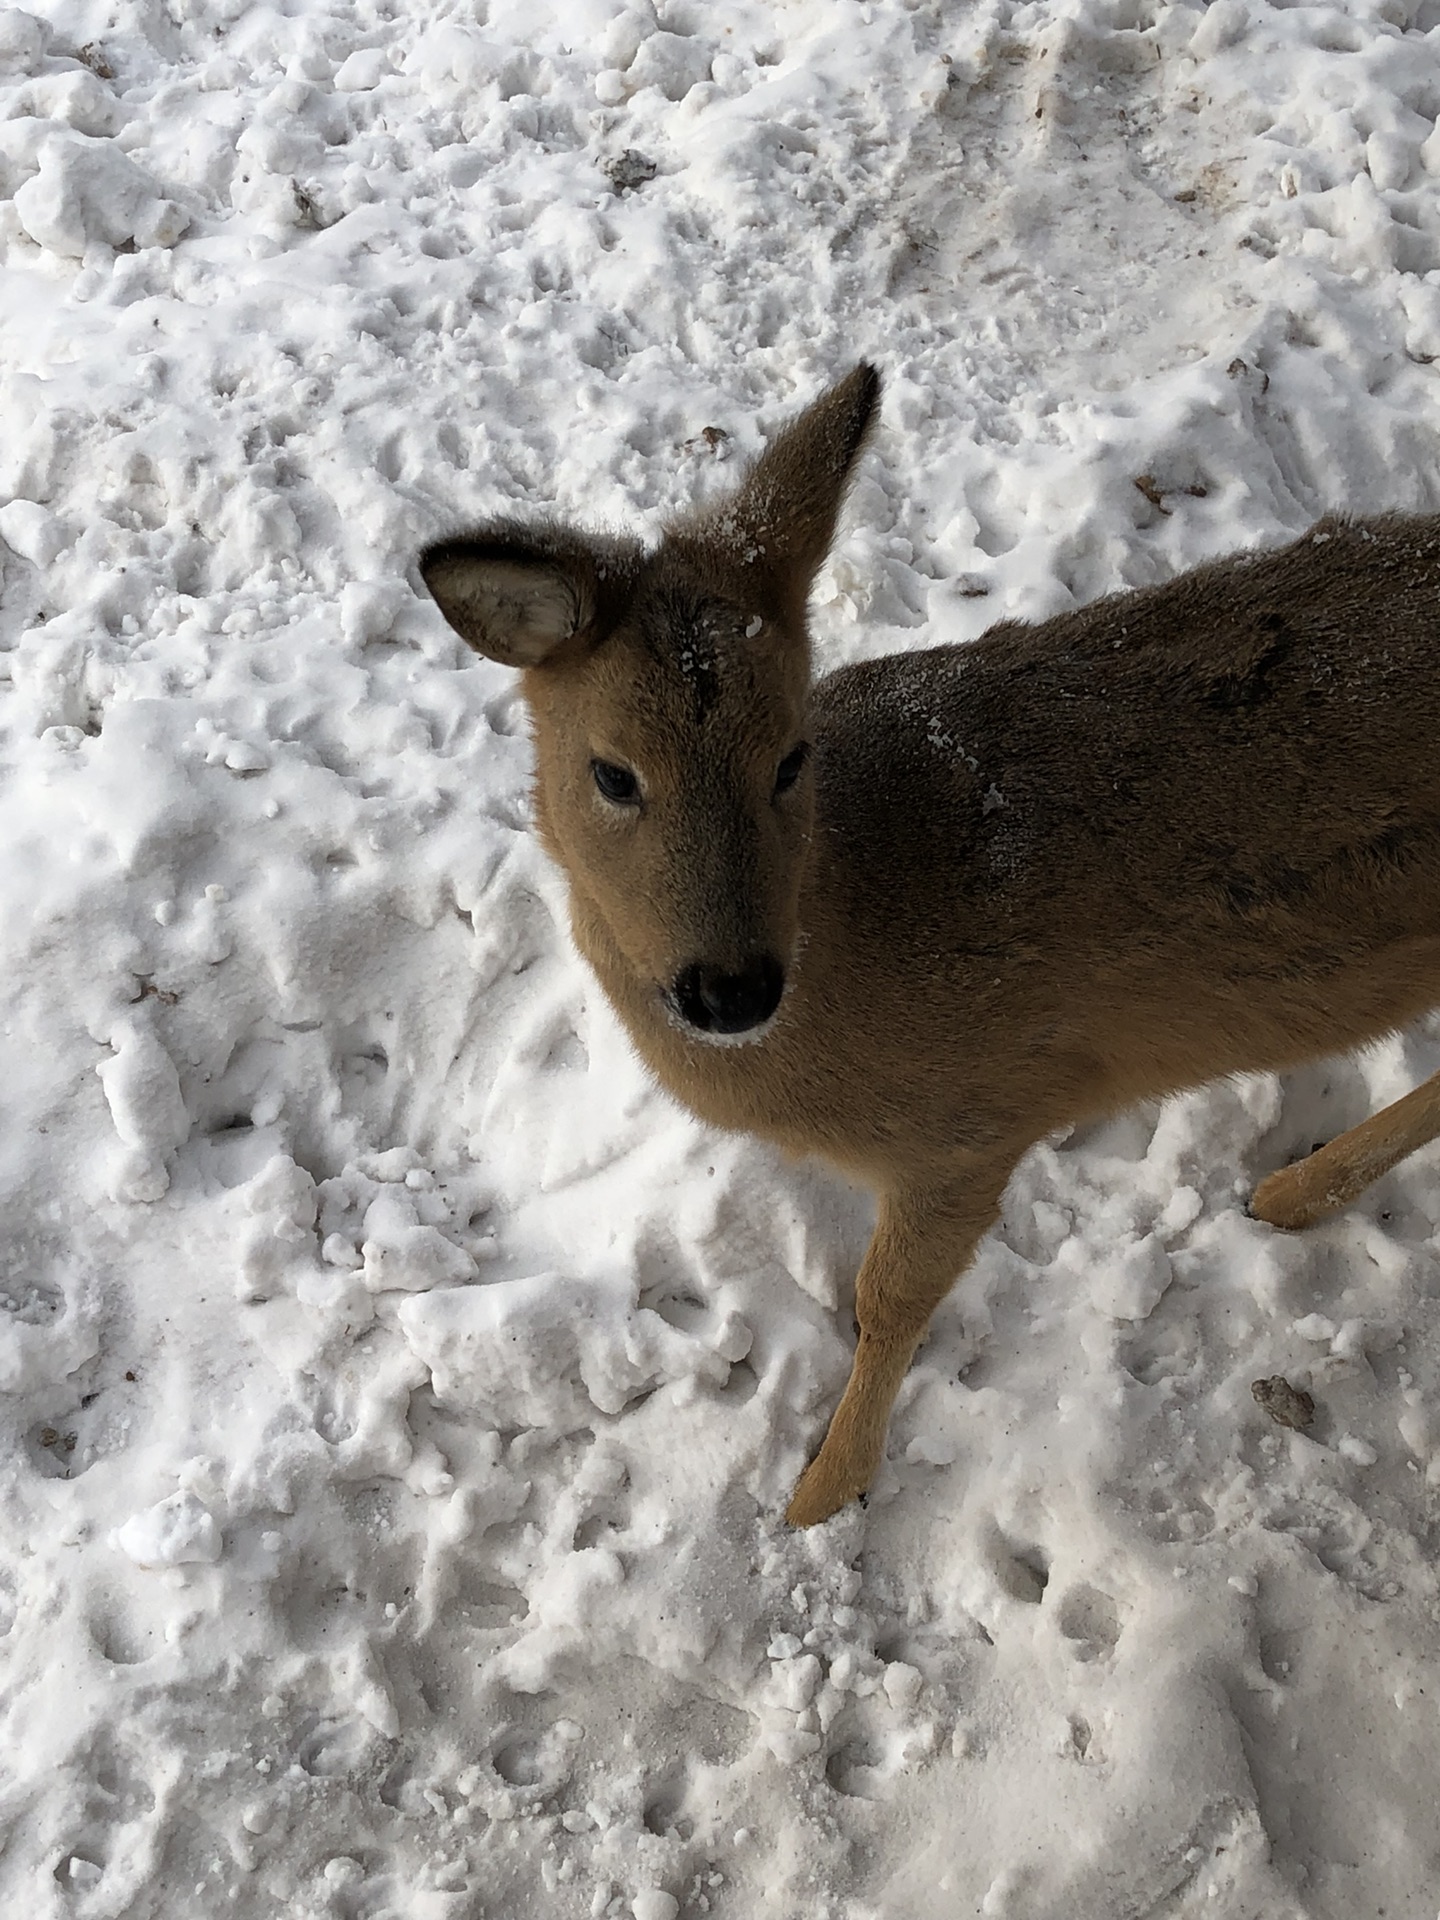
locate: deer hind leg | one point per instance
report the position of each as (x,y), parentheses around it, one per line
(923,1242)
(1336,1174)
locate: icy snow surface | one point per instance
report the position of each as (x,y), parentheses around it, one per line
(398,1397)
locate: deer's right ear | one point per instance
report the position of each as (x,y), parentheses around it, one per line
(520,596)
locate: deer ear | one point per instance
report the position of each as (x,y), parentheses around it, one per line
(784,515)
(521,595)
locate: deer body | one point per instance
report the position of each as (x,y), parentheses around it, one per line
(1183,832)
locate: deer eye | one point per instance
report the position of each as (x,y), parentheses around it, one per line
(790,768)
(618,784)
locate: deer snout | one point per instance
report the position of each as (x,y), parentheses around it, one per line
(716,1002)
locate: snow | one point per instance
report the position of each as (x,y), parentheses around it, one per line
(398,1395)
(170,1533)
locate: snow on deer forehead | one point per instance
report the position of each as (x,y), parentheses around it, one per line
(707,647)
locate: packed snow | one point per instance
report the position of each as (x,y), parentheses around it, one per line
(399,1396)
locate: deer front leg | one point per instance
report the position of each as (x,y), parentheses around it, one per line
(923,1242)
(1334,1175)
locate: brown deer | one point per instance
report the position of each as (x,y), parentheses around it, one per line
(923,912)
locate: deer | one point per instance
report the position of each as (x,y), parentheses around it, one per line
(921,914)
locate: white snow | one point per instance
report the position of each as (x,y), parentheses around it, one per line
(171,1533)
(398,1396)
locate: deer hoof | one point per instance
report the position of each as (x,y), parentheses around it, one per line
(1280,1200)
(819,1495)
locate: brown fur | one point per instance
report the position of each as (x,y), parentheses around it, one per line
(1184,832)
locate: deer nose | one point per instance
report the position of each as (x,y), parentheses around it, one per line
(716,1002)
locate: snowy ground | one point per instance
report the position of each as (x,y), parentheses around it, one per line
(397,1395)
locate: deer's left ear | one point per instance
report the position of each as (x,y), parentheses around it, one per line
(783,516)
(521,595)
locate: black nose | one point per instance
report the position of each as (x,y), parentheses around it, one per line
(718,1002)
